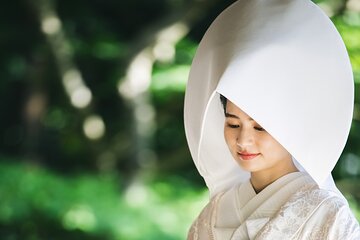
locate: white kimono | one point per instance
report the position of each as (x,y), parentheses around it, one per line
(292,207)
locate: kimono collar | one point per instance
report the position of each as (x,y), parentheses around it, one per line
(284,64)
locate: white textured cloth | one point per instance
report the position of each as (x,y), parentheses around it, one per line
(292,207)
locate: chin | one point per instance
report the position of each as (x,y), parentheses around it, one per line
(247,167)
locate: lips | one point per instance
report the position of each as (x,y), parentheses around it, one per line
(247,156)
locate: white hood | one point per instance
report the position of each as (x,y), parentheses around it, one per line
(284,64)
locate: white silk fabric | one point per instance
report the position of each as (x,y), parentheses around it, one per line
(283,63)
(292,207)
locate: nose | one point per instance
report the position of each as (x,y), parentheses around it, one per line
(244,138)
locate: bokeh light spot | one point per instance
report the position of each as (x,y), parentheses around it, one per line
(80,217)
(94,127)
(50,25)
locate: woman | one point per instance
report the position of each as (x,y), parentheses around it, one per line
(285,82)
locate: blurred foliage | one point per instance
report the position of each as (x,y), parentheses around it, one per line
(56,183)
(38,204)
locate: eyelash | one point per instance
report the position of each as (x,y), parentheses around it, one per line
(259,129)
(256,128)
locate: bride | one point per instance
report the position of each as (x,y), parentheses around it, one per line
(268,109)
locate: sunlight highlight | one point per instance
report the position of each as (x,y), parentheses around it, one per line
(138,75)
(137,195)
(164,49)
(135,88)
(51,24)
(173,33)
(94,127)
(80,217)
(81,97)
(353,5)
(79,93)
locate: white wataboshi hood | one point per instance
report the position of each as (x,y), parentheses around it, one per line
(284,64)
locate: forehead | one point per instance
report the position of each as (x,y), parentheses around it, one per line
(235,111)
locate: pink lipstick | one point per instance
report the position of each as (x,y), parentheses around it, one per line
(247,156)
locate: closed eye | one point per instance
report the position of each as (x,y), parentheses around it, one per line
(259,129)
(233,126)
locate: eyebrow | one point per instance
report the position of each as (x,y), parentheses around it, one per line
(229,115)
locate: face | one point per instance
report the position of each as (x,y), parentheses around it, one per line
(252,147)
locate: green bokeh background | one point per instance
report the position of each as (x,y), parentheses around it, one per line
(130,183)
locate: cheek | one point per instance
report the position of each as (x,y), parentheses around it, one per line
(272,148)
(268,145)
(226,136)
(229,136)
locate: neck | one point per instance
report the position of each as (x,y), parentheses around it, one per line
(262,179)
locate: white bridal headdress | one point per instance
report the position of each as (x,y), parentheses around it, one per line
(283,63)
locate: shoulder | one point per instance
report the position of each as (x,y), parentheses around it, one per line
(313,200)
(312,195)
(320,199)
(335,216)
(313,213)
(329,215)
